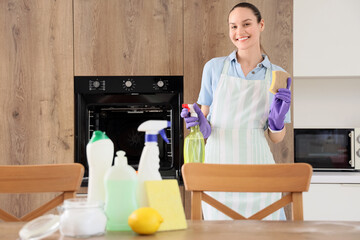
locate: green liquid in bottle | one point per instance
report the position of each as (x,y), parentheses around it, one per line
(194,147)
(121,203)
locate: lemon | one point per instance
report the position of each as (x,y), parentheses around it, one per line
(145,220)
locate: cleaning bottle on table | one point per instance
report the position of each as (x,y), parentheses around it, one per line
(120,189)
(149,161)
(194,146)
(100,153)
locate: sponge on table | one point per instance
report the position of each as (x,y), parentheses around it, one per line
(279,80)
(164,196)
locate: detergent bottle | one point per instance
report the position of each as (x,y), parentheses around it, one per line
(194,146)
(100,153)
(149,161)
(120,189)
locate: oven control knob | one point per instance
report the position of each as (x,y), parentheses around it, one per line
(358,152)
(128,83)
(358,139)
(160,83)
(96,84)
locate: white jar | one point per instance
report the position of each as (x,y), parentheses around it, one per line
(80,218)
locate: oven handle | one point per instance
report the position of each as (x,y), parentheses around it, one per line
(352,143)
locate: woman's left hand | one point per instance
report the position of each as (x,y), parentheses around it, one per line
(279,107)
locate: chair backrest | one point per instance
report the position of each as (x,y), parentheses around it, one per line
(64,178)
(293,178)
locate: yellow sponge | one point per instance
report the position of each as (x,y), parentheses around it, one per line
(279,80)
(164,196)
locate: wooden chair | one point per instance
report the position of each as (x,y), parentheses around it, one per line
(292,178)
(65,178)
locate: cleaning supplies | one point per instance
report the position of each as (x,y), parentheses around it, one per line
(149,161)
(100,153)
(120,188)
(194,146)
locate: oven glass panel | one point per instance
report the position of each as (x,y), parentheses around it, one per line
(120,125)
(323,148)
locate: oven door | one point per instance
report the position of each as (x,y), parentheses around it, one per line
(325,149)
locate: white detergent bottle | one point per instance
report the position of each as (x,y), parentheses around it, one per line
(120,188)
(100,153)
(149,161)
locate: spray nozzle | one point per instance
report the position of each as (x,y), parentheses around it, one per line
(190,108)
(185,106)
(154,127)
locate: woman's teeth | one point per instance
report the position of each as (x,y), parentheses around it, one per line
(243,38)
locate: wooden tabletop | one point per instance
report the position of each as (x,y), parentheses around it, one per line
(239,229)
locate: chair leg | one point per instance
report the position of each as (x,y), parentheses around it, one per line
(297,206)
(196,212)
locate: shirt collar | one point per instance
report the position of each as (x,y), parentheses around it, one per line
(266,62)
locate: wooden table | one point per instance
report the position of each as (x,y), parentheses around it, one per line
(227,230)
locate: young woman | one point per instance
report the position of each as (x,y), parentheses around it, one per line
(235,98)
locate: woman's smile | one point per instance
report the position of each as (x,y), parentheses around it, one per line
(242,38)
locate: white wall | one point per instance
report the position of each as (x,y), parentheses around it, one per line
(326,63)
(332,102)
(326,37)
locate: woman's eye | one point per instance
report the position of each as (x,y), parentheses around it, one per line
(233,27)
(246,24)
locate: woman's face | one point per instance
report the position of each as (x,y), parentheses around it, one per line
(244,30)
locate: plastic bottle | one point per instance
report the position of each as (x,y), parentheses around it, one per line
(120,188)
(149,161)
(194,147)
(100,153)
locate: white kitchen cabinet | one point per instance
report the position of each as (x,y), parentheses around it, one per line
(326,37)
(332,201)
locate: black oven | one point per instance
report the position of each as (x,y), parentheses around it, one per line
(117,105)
(336,149)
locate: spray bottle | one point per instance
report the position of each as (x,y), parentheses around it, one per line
(120,188)
(100,153)
(149,161)
(194,147)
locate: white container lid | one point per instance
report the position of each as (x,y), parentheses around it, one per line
(40,227)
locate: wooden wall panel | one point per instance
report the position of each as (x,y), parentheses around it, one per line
(206,37)
(128,37)
(36,87)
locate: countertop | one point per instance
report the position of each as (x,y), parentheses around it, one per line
(336,177)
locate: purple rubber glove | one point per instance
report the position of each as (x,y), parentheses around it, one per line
(204,125)
(279,107)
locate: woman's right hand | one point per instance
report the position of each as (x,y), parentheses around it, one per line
(204,125)
(190,121)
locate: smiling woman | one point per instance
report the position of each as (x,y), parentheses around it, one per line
(236,100)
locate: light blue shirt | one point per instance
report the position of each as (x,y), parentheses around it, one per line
(211,76)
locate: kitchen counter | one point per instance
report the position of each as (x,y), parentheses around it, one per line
(336,177)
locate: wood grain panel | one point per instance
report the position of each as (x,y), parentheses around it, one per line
(128,37)
(36,88)
(206,37)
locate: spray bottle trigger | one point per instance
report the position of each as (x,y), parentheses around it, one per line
(163,135)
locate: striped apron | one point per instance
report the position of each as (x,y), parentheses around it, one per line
(240,110)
